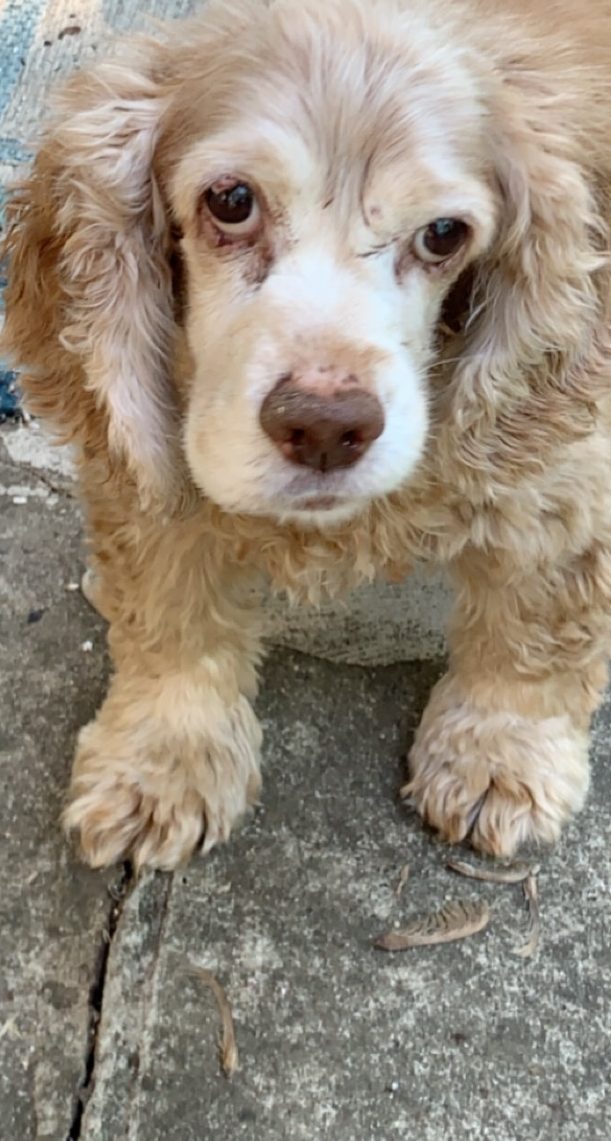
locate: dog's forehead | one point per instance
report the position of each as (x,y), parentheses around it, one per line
(358,114)
(380,162)
(371,188)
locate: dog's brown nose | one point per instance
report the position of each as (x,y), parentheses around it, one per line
(322,428)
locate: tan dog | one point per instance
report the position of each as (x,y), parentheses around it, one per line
(231,275)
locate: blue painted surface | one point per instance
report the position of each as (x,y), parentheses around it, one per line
(17,27)
(18,24)
(9,400)
(13,151)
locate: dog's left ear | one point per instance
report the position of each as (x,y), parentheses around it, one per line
(89,300)
(536,299)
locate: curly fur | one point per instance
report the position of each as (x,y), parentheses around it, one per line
(110,286)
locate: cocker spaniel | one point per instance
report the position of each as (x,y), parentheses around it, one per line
(320,288)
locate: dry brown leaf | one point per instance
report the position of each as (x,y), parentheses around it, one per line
(402,880)
(510,873)
(455,920)
(228,1049)
(531,891)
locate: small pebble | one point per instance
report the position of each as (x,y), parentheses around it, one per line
(87,647)
(34,616)
(19,500)
(72,586)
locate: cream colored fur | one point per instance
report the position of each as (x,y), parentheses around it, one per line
(152,346)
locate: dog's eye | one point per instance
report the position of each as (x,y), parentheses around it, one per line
(437,242)
(234,208)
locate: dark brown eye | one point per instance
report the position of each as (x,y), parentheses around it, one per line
(234,208)
(437,242)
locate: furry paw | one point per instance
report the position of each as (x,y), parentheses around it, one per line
(499,778)
(149,791)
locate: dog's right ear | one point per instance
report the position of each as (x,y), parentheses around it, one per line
(89,312)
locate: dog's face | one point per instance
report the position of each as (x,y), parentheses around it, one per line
(329,194)
(333,167)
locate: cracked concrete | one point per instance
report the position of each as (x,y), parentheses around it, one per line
(53,911)
(336,1039)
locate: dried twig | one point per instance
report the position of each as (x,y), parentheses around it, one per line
(511,873)
(531,891)
(455,920)
(228,1049)
(402,880)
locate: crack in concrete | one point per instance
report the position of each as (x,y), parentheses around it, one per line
(118,895)
(58,487)
(38,458)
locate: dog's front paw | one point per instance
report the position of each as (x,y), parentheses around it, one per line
(143,791)
(497,777)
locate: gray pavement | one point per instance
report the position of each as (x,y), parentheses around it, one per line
(103,1033)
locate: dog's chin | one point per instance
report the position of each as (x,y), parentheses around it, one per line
(320,503)
(320,511)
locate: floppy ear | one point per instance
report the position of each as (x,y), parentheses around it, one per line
(89,305)
(529,368)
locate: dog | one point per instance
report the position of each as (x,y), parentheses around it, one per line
(318,290)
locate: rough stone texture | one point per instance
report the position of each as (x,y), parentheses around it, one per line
(30,448)
(376,625)
(53,912)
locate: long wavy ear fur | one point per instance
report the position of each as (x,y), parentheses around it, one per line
(530,368)
(88,306)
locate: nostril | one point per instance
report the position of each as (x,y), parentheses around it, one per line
(352,439)
(297,437)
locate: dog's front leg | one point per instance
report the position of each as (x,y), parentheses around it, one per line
(173,754)
(501,754)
